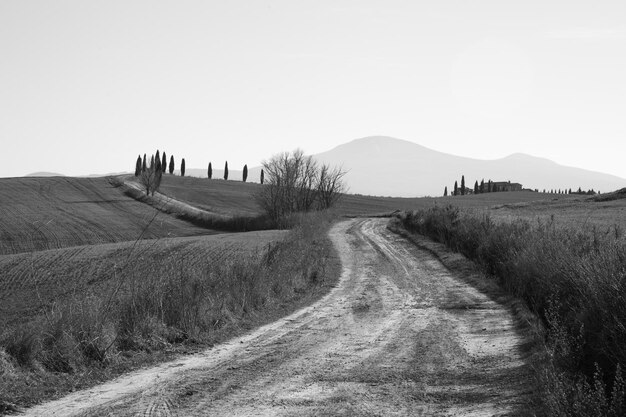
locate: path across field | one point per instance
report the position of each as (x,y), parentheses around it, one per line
(399,335)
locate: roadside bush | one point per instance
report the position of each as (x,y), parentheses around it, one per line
(574,279)
(297,183)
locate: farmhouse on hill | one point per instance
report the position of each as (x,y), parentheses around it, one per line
(507,186)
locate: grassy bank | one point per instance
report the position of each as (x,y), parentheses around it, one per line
(168,306)
(241,221)
(573,278)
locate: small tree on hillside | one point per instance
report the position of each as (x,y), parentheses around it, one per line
(164,163)
(482,186)
(138,166)
(182,167)
(462,184)
(209,171)
(476,187)
(144,166)
(171,167)
(445,191)
(157,156)
(245,173)
(226,171)
(262,176)
(456,188)
(151,178)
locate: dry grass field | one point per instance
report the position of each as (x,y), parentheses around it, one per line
(33,282)
(50,213)
(94,283)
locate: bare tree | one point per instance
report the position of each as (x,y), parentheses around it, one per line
(295,182)
(330,186)
(150,178)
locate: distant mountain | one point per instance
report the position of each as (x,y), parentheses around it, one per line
(44,174)
(385,166)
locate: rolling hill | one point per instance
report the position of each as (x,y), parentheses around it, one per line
(58,212)
(385,166)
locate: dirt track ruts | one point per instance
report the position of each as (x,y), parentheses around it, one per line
(399,335)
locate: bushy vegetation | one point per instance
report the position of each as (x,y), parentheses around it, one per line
(76,340)
(574,279)
(297,183)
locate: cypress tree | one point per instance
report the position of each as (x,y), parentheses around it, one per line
(226,170)
(164,163)
(157,157)
(445,191)
(182,167)
(138,166)
(209,171)
(157,163)
(489,187)
(456,188)
(152,162)
(245,173)
(462,184)
(262,176)
(143,164)
(171,164)
(476,187)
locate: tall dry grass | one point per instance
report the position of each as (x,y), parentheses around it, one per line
(573,278)
(73,342)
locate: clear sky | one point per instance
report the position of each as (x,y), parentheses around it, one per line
(85,86)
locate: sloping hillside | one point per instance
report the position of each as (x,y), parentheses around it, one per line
(49,213)
(216,195)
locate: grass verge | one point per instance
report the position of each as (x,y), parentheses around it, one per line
(178,307)
(574,279)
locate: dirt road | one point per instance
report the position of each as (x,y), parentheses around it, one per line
(399,335)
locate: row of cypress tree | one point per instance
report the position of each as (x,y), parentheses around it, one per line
(159,162)
(244,176)
(141,165)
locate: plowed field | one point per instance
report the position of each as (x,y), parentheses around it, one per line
(31,281)
(50,213)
